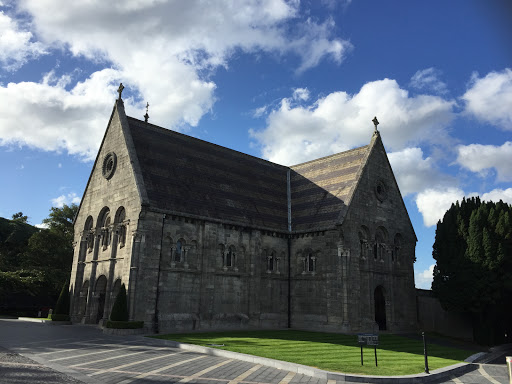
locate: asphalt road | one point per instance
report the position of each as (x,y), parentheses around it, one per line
(38,353)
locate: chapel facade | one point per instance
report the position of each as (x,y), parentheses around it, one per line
(205,237)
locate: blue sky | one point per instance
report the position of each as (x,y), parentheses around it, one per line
(288,81)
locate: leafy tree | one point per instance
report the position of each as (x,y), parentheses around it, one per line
(473,272)
(51,249)
(61,220)
(14,236)
(20,217)
(35,263)
(120,307)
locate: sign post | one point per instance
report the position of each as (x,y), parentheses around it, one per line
(368,339)
(425,352)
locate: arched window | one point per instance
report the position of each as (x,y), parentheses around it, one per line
(397,246)
(364,235)
(89,233)
(104,222)
(309,262)
(272,261)
(178,251)
(230,257)
(106,232)
(121,226)
(379,248)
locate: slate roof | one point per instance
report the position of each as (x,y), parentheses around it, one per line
(321,189)
(186,175)
(192,176)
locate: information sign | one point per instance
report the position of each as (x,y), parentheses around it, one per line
(368,339)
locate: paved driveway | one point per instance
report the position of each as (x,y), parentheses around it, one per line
(84,353)
(36,353)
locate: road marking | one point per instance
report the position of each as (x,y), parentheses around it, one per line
(115,357)
(247,373)
(456,380)
(287,378)
(79,342)
(156,371)
(201,373)
(331,381)
(486,375)
(168,375)
(130,364)
(93,353)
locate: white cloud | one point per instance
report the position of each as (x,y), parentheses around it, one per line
(414,173)
(498,194)
(16,45)
(180,43)
(428,79)
(42,226)
(433,203)
(300,94)
(423,279)
(47,116)
(480,158)
(258,112)
(339,121)
(489,98)
(70,198)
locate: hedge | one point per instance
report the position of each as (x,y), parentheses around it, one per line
(125,324)
(59,317)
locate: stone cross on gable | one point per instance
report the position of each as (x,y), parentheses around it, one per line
(146,116)
(120,90)
(375,122)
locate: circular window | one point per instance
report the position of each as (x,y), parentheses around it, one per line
(380,190)
(109,165)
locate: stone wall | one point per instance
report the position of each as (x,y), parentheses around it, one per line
(433,318)
(379,235)
(102,252)
(202,288)
(184,272)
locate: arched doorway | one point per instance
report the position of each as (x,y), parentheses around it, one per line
(380,307)
(100,293)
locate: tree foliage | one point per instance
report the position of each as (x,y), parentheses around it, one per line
(473,272)
(20,217)
(14,237)
(36,262)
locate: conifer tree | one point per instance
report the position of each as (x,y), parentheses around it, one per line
(473,272)
(120,308)
(63,304)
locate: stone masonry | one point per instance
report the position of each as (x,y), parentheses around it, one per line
(205,237)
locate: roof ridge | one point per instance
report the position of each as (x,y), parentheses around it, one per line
(171,132)
(328,156)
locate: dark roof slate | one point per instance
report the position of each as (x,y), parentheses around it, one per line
(191,176)
(321,189)
(186,175)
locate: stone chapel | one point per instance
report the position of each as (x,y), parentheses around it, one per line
(205,237)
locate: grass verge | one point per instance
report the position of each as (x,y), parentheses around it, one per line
(397,355)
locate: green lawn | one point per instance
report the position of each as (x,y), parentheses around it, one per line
(397,355)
